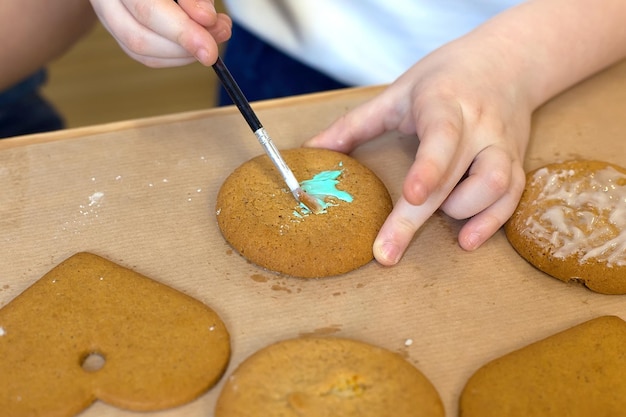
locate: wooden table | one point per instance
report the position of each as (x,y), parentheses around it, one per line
(156,181)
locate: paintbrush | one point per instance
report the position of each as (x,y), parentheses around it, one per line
(237,96)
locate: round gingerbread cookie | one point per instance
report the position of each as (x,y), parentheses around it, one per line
(571,223)
(259,217)
(327,377)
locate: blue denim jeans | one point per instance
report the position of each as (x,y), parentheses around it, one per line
(263,72)
(24,111)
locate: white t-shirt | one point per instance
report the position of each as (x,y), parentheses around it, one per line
(362,42)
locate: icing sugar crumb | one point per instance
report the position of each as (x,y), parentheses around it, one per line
(95,198)
(408,342)
(2,331)
(87,212)
(94,201)
(211,328)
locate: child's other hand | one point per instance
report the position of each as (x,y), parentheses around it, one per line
(472,117)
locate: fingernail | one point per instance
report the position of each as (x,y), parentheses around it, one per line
(387,253)
(203,56)
(309,143)
(207,5)
(222,36)
(472,241)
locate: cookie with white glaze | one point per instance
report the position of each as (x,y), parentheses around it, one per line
(260,219)
(571,223)
(324,376)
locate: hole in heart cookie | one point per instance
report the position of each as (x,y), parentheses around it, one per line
(93,362)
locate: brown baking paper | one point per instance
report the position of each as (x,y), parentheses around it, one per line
(142,194)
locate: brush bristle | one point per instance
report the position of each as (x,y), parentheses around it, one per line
(310,202)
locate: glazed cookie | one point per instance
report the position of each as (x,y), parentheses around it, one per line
(327,377)
(91,329)
(259,217)
(577,373)
(571,223)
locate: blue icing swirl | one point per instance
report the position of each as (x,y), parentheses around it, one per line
(321,186)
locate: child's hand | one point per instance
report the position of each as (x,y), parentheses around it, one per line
(161,33)
(469,110)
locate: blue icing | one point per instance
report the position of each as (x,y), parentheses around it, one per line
(323,185)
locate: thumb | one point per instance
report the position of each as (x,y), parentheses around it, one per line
(361,124)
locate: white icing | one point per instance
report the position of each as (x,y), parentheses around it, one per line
(584,217)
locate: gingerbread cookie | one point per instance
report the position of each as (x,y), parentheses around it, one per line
(327,377)
(571,223)
(577,373)
(91,329)
(259,217)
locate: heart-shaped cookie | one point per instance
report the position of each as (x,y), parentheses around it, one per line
(91,329)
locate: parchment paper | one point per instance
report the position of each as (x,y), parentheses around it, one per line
(142,193)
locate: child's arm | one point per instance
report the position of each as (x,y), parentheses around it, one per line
(34,32)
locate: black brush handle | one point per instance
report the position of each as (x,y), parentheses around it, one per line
(236,95)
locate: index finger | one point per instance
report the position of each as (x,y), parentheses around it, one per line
(398,230)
